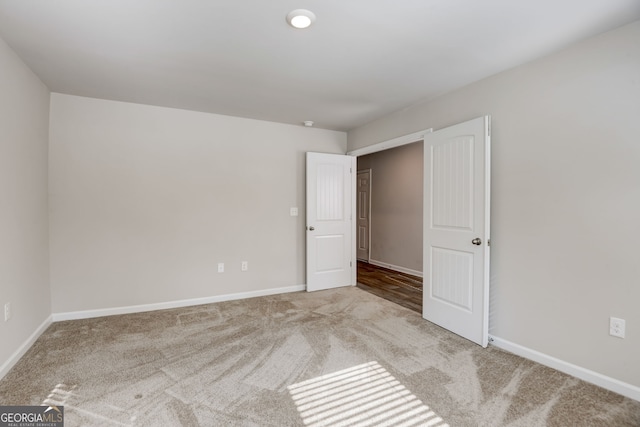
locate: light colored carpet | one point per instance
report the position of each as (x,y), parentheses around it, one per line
(339,357)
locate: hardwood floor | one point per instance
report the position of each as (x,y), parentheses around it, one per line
(401,288)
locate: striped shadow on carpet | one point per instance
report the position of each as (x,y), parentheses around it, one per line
(365,395)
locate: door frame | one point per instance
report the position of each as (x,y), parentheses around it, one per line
(391,143)
(370,149)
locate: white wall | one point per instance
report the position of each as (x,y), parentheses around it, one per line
(24,241)
(566,197)
(145,201)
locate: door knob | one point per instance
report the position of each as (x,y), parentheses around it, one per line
(311,228)
(477,241)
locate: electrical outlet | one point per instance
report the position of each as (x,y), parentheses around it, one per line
(293,212)
(7,311)
(616,327)
(244,266)
(221,267)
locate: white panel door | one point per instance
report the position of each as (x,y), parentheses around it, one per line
(364,212)
(330,247)
(456,229)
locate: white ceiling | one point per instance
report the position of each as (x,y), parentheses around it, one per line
(361,60)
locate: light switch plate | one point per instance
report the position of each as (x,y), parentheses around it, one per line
(7,311)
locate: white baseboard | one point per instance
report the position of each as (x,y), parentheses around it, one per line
(6,367)
(396,268)
(87,314)
(617,386)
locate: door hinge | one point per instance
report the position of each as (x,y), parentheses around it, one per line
(350,263)
(488,242)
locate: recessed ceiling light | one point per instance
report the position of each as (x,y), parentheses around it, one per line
(308,123)
(301,18)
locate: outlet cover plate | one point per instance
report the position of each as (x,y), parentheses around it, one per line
(616,327)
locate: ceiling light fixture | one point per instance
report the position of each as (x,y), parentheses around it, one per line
(301,18)
(308,123)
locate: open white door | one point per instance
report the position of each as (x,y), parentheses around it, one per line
(456,229)
(330,246)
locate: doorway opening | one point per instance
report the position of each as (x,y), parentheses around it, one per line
(389,223)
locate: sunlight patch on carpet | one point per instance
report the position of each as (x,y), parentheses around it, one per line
(364,395)
(60,395)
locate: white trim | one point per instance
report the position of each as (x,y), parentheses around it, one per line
(354,225)
(487,231)
(87,314)
(392,143)
(617,386)
(396,268)
(15,357)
